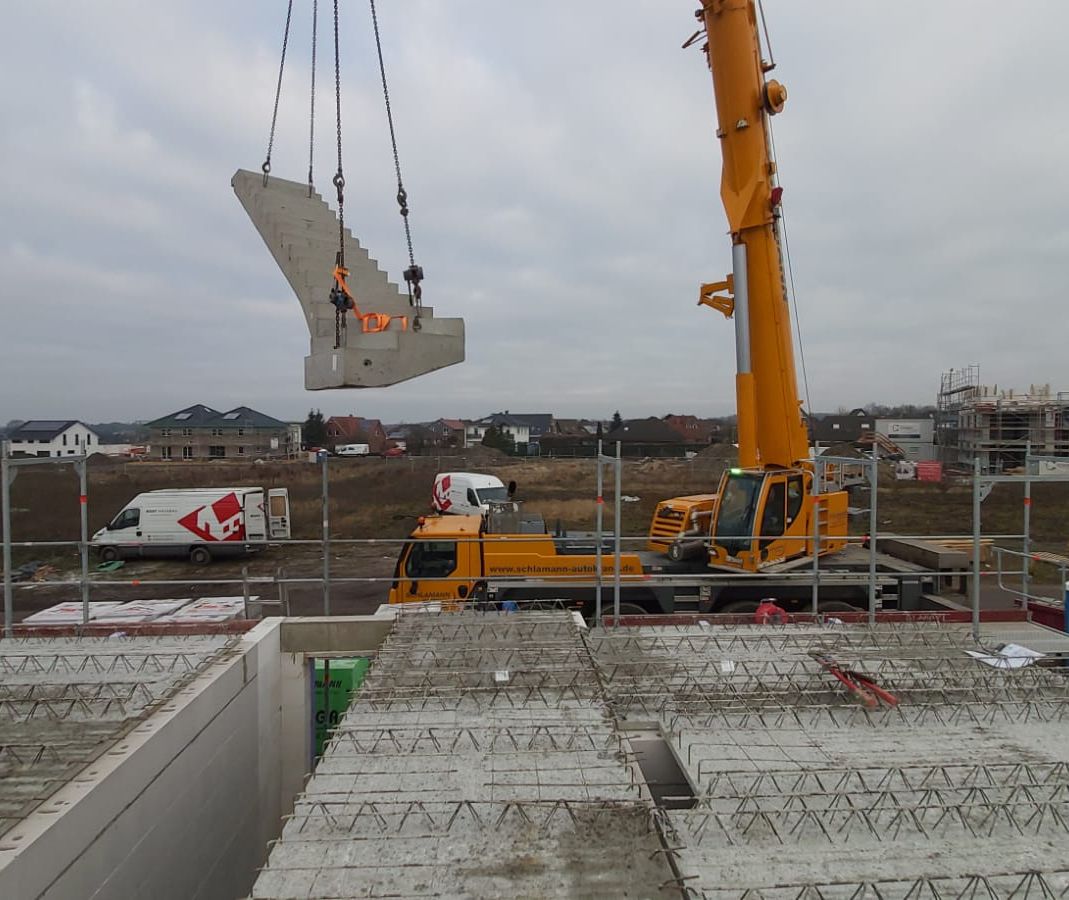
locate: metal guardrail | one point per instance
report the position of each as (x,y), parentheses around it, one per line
(981,486)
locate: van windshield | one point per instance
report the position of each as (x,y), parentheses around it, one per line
(492,495)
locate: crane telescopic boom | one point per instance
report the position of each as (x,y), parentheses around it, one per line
(768,510)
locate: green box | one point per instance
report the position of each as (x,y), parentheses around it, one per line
(346,677)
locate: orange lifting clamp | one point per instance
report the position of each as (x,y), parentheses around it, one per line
(370,323)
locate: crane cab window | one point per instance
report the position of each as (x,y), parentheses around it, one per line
(431,559)
(795,494)
(128,518)
(773,520)
(737,511)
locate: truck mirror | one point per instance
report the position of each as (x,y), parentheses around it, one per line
(462,591)
(413,587)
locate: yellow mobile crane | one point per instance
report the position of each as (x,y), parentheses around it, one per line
(767,510)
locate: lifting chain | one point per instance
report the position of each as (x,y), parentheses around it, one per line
(266,167)
(338,297)
(312,99)
(414,273)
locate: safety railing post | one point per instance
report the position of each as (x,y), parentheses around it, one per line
(5,483)
(616,541)
(83,546)
(600,510)
(818,477)
(976,550)
(1026,543)
(326,535)
(873,479)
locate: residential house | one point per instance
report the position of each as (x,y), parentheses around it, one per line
(53,438)
(450,432)
(645,437)
(570,437)
(836,429)
(201,432)
(694,430)
(357,430)
(538,424)
(514,428)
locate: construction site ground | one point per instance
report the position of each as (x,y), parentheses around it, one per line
(381,500)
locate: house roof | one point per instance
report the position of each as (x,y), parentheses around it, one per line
(505,418)
(201,416)
(645,431)
(352,426)
(44,429)
(454,424)
(537,422)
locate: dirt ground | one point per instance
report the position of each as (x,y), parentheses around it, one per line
(374,499)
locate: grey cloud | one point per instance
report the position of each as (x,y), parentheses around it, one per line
(564,180)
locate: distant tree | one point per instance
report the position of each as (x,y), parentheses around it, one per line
(418,440)
(617,419)
(315,429)
(497,439)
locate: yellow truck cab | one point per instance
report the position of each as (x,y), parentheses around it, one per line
(451,559)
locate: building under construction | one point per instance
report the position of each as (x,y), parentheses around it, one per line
(998,426)
(523,755)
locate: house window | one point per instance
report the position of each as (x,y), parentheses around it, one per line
(187,432)
(217,432)
(165,453)
(88,439)
(241,431)
(187,453)
(217,451)
(165,432)
(64,440)
(241,451)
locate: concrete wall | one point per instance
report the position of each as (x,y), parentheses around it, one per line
(184,806)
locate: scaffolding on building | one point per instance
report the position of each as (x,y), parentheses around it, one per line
(1000,427)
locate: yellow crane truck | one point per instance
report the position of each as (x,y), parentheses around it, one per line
(508,554)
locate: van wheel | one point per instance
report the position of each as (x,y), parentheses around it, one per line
(200,556)
(109,554)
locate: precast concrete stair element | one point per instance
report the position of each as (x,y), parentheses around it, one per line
(302,234)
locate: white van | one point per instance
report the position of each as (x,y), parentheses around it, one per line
(466,493)
(353,450)
(196,523)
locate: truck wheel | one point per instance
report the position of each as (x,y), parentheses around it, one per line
(200,556)
(629,609)
(739,608)
(109,554)
(834,606)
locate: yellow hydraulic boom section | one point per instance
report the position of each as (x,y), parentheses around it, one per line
(766,510)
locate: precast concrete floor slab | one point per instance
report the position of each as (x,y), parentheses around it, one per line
(66,700)
(492,756)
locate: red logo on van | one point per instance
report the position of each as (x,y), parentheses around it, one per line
(218,521)
(440,499)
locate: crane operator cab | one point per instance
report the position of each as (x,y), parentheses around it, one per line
(766,516)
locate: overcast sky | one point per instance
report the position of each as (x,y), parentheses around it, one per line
(563,175)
